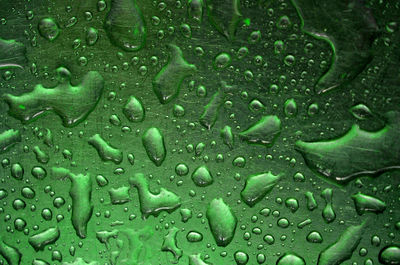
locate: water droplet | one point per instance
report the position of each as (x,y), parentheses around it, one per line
(124,25)
(390,255)
(314,237)
(202,176)
(241,257)
(222,222)
(48,29)
(222,61)
(153,142)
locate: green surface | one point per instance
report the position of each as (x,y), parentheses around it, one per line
(199,132)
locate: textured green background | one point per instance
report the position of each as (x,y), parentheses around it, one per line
(377,87)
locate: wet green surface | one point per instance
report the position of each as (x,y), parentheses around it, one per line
(199,132)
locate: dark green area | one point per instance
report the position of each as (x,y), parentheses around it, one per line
(252,59)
